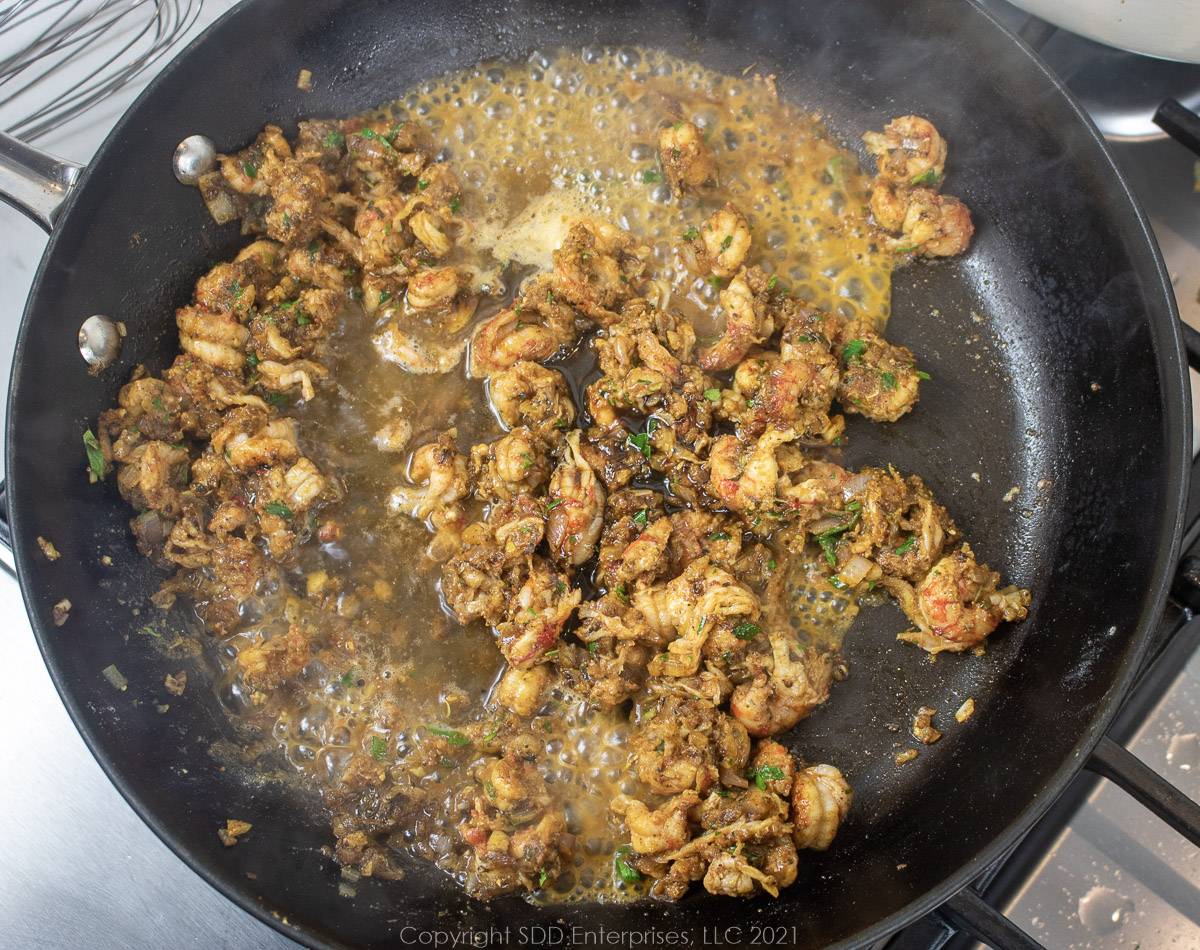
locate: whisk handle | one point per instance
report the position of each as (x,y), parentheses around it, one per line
(34,182)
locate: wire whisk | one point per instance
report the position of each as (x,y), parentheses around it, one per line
(59,58)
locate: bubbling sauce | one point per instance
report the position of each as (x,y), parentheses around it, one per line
(535,145)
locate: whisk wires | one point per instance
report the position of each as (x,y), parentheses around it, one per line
(59,58)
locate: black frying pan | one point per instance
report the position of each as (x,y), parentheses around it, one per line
(1072,378)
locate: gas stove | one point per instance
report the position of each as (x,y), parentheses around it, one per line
(1097,873)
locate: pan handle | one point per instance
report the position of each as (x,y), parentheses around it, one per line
(34,182)
(7,561)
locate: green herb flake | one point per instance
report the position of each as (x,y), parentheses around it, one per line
(150,631)
(347,678)
(423,184)
(641,442)
(907,545)
(554,504)
(927,177)
(746,630)
(832,169)
(889,381)
(921,374)
(592,648)
(335,139)
(624,871)
(715,282)
(691,234)
(909,247)
(278,399)
(651,177)
(542,877)
(250,169)
(771,564)
(455,204)
(279,509)
(852,352)
(712,395)
(719,536)
(453,735)
(96,467)
(560,587)
(490,790)
(495,732)
(772,282)
(620,592)
(385,297)
(768,773)
(303,319)
(837,584)
(641,516)
(378,748)
(725,243)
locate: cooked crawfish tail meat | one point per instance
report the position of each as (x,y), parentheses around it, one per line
(527,537)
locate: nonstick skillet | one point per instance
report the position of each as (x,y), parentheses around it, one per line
(1056,367)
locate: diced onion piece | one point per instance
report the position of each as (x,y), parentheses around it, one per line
(857,570)
(114,676)
(964,711)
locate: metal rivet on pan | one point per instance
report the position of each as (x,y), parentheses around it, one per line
(99,341)
(194,156)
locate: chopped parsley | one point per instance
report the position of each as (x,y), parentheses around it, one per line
(347,678)
(923,375)
(620,592)
(385,297)
(771,564)
(554,504)
(335,139)
(715,282)
(712,395)
(542,877)
(837,583)
(832,168)
(719,536)
(279,509)
(278,399)
(624,871)
(927,177)
(889,381)
(772,282)
(728,240)
(303,319)
(378,748)
(641,516)
(641,442)
(495,731)
(907,545)
(746,630)
(250,169)
(96,467)
(453,735)
(767,773)
(651,177)
(852,352)
(455,204)
(423,184)
(691,234)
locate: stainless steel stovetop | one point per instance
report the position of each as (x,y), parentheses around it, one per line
(81,870)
